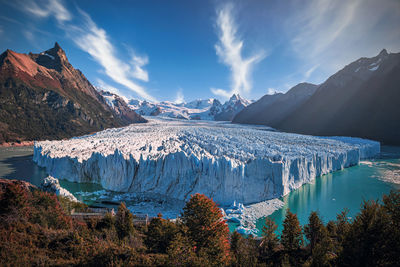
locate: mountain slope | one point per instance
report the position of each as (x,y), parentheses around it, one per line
(42,96)
(271,109)
(360,100)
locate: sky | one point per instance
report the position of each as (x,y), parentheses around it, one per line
(184,50)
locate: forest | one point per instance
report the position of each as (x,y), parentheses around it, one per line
(37,230)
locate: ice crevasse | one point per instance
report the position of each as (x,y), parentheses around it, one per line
(175,159)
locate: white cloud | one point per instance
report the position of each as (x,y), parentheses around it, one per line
(229,50)
(48,8)
(107,87)
(138,63)
(179,97)
(308,73)
(221,92)
(272,91)
(331,34)
(95,41)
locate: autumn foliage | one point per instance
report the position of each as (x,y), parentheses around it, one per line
(36,229)
(207,229)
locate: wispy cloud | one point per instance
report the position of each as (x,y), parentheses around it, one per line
(310,71)
(229,50)
(333,33)
(28,35)
(179,96)
(107,87)
(138,62)
(221,92)
(94,40)
(48,8)
(272,91)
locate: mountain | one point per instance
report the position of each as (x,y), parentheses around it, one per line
(42,96)
(271,109)
(201,109)
(360,100)
(120,107)
(231,107)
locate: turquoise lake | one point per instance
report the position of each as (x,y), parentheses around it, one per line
(328,194)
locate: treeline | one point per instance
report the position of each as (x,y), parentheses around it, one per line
(36,229)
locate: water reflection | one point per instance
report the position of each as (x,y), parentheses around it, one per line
(331,193)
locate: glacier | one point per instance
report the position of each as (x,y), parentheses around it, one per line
(173,158)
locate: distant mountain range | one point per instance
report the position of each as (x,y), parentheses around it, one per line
(208,109)
(360,100)
(42,96)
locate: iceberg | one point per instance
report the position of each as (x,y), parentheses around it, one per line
(176,158)
(52,185)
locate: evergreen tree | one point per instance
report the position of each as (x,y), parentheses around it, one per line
(392,208)
(181,251)
(160,233)
(207,229)
(269,242)
(235,243)
(246,252)
(292,237)
(365,243)
(314,230)
(342,225)
(124,222)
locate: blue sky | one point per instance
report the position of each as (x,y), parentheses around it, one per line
(185,50)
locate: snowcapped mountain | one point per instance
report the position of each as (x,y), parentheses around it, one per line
(201,109)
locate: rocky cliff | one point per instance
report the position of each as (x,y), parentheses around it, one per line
(42,96)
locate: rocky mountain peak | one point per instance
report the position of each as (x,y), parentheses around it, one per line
(234,98)
(383,52)
(53,58)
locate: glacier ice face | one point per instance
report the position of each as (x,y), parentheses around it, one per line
(176,158)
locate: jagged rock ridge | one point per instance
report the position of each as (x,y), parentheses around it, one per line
(42,96)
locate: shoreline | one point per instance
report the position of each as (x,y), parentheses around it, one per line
(17,144)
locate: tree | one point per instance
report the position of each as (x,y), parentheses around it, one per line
(270,241)
(124,222)
(160,233)
(342,225)
(207,229)
(181,251)
(365,243)
(314,230)
(292,238)
(235,239)
(320,241)
(107,222)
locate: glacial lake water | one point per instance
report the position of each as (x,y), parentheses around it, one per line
(328,194)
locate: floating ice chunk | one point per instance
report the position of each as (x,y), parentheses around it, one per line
(52,185)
